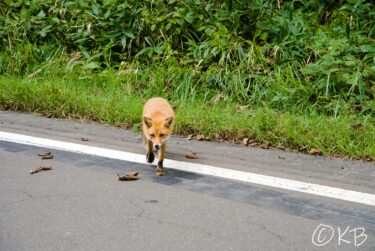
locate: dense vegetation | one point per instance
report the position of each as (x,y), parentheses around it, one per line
(307,59)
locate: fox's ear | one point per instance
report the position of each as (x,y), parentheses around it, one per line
(168,122)
(147,121)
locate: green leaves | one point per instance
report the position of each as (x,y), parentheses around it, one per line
(314,53)
(92,65)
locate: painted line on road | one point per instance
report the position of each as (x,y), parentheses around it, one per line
(288,184)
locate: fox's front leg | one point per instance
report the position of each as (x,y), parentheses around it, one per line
(150,156)
(160,169)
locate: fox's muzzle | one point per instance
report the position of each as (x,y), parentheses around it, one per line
(157,146)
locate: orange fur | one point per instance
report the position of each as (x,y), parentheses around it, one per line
(157,125)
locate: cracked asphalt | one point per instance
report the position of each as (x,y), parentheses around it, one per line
(80,204)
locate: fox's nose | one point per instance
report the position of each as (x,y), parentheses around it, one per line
(157,146)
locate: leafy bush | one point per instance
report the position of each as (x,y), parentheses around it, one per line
(288,55)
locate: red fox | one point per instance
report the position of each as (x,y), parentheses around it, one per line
(157,124)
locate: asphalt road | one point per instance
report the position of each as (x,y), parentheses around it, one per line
(80,204)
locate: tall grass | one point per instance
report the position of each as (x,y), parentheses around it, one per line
(312,53)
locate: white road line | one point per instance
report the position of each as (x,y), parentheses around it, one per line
(293,185)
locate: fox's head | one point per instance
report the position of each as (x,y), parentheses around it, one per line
(158,130)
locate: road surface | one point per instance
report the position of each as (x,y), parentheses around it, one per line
(80,204)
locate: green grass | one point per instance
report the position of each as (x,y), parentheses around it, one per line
(116,100)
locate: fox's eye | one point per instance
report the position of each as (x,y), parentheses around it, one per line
(152,135)
(162,134)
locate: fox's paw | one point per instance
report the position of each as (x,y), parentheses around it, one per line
(160,171)
(150,157)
